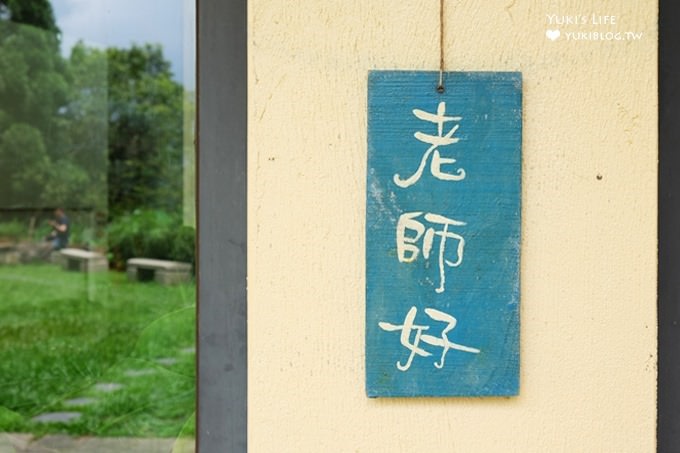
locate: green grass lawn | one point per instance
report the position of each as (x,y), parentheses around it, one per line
(56,345)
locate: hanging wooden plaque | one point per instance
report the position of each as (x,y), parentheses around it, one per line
(443,234)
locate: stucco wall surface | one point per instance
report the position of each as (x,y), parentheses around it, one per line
(588,252)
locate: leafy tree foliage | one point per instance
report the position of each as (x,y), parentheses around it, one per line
(34,90)
(87,113)
(24,159)
(38,13)
(100,129)
(145,131)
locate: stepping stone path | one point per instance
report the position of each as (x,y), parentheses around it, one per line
(105,387)
(75,402)
(108,387)
(57,417)
(167,361)
(137,373)
(83,444)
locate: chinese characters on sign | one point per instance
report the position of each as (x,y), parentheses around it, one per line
(442,342)
(434,141)
(406,244)
(443,245)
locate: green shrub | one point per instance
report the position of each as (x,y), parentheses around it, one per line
(150,234)
(184,245)
(12,231)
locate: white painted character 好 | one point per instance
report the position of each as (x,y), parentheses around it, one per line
(441,341)
(435,142)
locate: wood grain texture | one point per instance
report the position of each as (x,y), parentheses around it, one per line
(443,234)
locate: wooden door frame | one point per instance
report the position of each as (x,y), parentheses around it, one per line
(221,216)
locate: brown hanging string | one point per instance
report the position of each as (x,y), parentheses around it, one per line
(440,86)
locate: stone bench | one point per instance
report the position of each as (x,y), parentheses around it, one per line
(9,253)
(162,271)
(83,260)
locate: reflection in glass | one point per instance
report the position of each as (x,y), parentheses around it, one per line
(97,237)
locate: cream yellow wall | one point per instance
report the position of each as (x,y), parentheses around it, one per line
(588,270)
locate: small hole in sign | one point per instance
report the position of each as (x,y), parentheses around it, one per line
(440,89)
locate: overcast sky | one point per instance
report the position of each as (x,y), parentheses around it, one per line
(120,23)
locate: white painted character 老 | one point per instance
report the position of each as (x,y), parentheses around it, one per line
(435,142)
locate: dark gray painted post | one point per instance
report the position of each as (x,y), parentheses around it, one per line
(221,173)
(668,430)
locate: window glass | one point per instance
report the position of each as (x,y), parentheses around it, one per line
(97,225)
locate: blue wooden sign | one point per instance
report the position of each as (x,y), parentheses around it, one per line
(443,234)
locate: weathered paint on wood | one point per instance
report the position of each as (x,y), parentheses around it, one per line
(443,234)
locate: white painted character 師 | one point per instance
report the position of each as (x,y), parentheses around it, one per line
(407,245)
